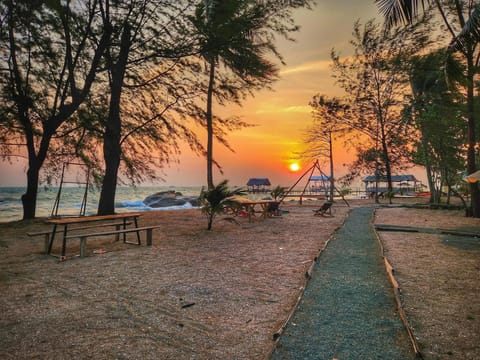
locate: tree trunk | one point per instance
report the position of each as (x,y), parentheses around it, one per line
(29,199)
(332,181)
(112,149)
(112,154)
(210,125)
(210,222)
(388,169)
(35,162)
(428,167)
(471,166)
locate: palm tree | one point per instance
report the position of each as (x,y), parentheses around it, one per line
(231,33)
(405,11)
(215,199)
(465,32)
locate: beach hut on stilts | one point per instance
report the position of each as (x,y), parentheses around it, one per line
(258,185)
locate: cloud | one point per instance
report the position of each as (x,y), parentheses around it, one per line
(269,108)
(297,109)
(313,66)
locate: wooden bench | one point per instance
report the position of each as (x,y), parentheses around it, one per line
(83,237)
(48,234)
(84,222)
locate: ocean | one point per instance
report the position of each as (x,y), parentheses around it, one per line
(127,199)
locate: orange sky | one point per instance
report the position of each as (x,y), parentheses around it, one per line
(280,116)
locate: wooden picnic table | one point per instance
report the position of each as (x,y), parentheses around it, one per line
(251,207)
(124,220)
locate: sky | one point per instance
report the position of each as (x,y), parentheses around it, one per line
(280,116)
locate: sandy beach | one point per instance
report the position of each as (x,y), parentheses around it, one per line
(220,294)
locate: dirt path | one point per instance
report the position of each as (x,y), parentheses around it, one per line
(348,310)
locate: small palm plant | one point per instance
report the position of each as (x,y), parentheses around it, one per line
(277,192)
(215,199)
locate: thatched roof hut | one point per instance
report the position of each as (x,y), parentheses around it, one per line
(400,183)
(258,185)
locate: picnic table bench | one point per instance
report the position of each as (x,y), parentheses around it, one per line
(72,224)
(83,237)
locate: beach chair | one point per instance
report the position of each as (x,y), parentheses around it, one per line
(273,209)
(324,209)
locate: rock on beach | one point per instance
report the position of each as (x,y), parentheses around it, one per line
(169,198)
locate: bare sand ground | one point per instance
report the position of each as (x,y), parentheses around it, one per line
(439,279)
(219,294)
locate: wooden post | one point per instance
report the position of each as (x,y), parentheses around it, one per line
(47,242)
(83,246)
(149,237)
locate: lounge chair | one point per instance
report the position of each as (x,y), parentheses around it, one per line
(325,208)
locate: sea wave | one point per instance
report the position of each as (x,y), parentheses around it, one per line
(138,205)
(9,199)
(134,203)
(187,205)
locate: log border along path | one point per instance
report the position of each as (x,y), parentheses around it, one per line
(348,309)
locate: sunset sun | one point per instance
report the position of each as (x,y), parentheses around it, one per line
(294,167)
